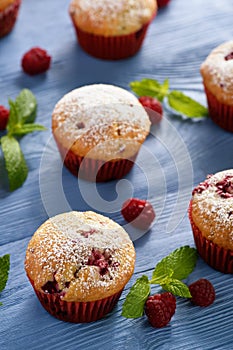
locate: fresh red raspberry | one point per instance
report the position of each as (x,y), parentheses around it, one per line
(100,260)
(36,61)
(4,116)
(162,3)
(160,308)
(202,291)
(153,108)
(139,212)
(229,56)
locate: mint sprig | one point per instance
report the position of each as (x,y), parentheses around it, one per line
(21,122)
(180,262)
(26,106)
(151,87)
(135,300)
(168,273)
(177,100)
(14,160)
(4,271)
(186,105)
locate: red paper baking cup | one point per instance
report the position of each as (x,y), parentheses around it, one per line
(8,18)
(162,3)
(114,47)
(220,113)
(217,257)
(93,169)
(76,312)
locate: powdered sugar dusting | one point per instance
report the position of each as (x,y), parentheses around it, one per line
(217,71)
(105,7)
(100,117)
(98,106)
(110,8)
(80,252)
(212,205)
(110,17)
(103,234)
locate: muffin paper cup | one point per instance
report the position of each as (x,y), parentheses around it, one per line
(93,169)
(217,257)
(8,18)
(114,47)
(162,3)
(220,113)
(76,312)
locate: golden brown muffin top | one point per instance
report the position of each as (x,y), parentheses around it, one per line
(5,3)
(112,17)
(100,122)
(212,208)
(217,72)
(81,256)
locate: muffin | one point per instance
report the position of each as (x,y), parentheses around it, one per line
(8,15)
(217,73)
(211,217)
(99,130)
(78,264)
(111,29)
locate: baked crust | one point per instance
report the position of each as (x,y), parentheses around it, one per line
(5,3)
(61,251)
(101,122)
(212,208)
(111,17)
(217,73)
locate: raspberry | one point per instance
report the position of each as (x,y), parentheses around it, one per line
(153,108)
(102,260)
(160,308)
(203,293)
(4,116)
(52,287)
(98,259)
(229,56)
(36,61)
(139,212)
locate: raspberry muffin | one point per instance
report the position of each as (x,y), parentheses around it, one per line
(99,130)
(8,14)
(217,74)
(211,217)
(111,29)
(78,264)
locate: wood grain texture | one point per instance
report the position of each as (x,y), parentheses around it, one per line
(178,40)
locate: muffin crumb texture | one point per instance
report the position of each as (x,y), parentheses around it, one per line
(100,121)
(110,18)
(80,256)
(212,208)
(217,72)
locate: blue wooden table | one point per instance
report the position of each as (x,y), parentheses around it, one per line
(177,155)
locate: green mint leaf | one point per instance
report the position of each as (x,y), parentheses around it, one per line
(15,163)
(28,128)
(161,274)
(150,87)
(178,288)
(26,106)
(13,117)
(165,87)
(186,105)
(4,270)
(181,261)
(133,306)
